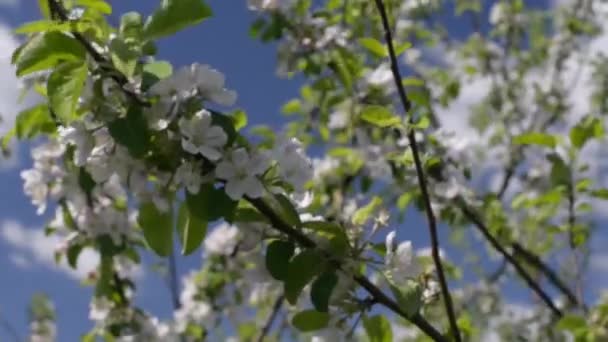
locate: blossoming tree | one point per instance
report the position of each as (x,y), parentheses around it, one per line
(137,155)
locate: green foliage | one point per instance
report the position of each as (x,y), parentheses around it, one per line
(374,46)
(157,227)
(363,214)
(541,139)
(211,203)
(44,51)
(302,269)
(64,88)
(379,116)
(131,131)
(278,256)
(310,320)
(34,121)
(191,227)
(173,16)
(321,290)
(378,328)
(409,296)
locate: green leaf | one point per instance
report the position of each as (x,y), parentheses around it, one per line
(41,26)
(560,172)
(364,213)
(155,71)
(571,323)
(378,329)
(175,15)
(277,259)
(310,320)
(379,116)
(541,139)
(72,254)
(239,118)
(412,82)
(292,107)
(211,203)
(374,46)
(124,56)
(409,296)
(190,228)
(34,121)
(600,193)
(287,210)
(64,88)
(97,5)
(131,132)
(45,50)
(399,49)
(157,228)
(302,269)
(324,226)
(321,289)
(131,26)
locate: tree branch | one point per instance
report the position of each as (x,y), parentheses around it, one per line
(59,12)
(172,280)
(432,223)
(378,296)
(520,270)
(535,261)
(273,315)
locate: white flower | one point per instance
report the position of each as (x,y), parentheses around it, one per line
(189,174)
(77,135)
(201,136)
(99,309)
(497,13)
(400,261)
(222,240)
(36,188)
(210,85)
(241,171)
(380,77)
(338,119)
(193,80)
(263,5)
(431,290)
(294,166)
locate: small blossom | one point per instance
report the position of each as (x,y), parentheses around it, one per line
(189,174)
(240,171)
(201,136)
(400,259)
(294,166)
(78,136)
(222,240)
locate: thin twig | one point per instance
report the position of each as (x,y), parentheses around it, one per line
(378,296)
(535,261)
(173,285)
(273,315)
(58,11)
(432,224)
(522,272)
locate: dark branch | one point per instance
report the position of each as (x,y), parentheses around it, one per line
(59,12)
(432,223)
(520,270)
(536,262)
(378,296)
(273,315)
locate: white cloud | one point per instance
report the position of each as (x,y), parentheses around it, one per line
(9,3)
(33,247)
(10,88)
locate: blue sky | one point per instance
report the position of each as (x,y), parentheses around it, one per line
(222,42)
